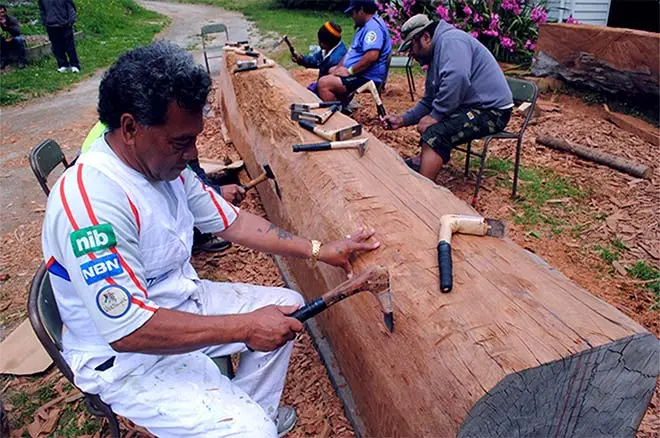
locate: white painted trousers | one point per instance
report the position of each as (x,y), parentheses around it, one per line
(186,395)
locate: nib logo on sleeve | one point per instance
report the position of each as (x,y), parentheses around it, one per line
(93,239)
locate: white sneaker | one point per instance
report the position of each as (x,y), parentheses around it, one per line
(75,69)
(63,69)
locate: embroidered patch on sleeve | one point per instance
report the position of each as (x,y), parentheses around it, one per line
(101,268)
(113,301)
(92,239)
(370,37)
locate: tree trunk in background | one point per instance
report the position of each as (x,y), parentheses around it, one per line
(618,61)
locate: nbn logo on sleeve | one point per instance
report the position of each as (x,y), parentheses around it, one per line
(101,268)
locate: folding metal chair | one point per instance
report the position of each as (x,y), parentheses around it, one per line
(405,63)
(44,158)
(206,31)
(47,324)
(523,91)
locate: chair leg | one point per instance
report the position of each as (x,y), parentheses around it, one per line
(482,166)
(206,61)
(467,158)
(411,83)
(516,168)
(115,432)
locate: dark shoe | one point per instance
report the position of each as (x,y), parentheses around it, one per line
(286,420)
(22,64)
(210,243)
(414,163)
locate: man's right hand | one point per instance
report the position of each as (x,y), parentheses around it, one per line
(296,58)
(393,121)
(233,193)
(270,327)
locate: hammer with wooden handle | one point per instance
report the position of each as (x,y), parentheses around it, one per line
(376,280)
(249,66)
(339,134)
(464,224)
(238,51)
(359,144)
(236,43)
(314,117)
(302,107)
(268,174)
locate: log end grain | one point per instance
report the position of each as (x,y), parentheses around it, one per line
(600,392)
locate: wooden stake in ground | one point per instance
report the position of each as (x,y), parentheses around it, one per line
(594,155)
(640,128)
(516,350)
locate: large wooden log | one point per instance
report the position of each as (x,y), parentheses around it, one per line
(613,60)
(516,349)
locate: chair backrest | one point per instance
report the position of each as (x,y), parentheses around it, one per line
(387,71)
(522,90)
(214,28)
(45,319)
(44,158)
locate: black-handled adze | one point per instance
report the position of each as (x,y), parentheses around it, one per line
(360,144)
(464,224)
(376,280)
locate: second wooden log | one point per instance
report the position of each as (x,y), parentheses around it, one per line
(621,164)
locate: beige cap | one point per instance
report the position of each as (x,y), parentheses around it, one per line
(411,28)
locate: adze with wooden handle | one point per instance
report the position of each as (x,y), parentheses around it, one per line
(376,280)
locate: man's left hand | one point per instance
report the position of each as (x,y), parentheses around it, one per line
(339,252)
(342,72)
(425,123)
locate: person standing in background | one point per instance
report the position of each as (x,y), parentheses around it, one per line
(58,17)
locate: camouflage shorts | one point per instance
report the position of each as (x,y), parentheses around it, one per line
(462,126)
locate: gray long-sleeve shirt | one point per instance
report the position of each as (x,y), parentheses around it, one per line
(463,73)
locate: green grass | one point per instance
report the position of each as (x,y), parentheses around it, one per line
(300,25)
(111,27)
(537,186)
(607,254)
(645,272)
(25,405)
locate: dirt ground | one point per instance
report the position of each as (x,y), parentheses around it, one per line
(608,210)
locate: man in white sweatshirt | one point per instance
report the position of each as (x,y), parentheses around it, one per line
(142,328)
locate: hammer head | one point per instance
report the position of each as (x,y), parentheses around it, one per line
(268,171)
(362,147)
(278,42)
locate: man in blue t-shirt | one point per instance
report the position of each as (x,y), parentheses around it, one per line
(366,59)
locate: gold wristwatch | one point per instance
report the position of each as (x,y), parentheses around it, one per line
(316,251)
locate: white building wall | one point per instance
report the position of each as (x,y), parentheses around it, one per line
(585,11)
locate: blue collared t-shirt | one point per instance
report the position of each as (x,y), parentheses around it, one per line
(372,36)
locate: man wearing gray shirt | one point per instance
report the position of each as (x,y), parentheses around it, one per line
(466,97)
